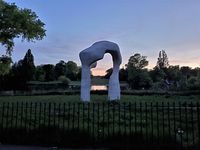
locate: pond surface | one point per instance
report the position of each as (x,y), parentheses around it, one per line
(98,87)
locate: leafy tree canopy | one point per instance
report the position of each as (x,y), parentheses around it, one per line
(137,61)
(5,63)
(163,61)
(17,22)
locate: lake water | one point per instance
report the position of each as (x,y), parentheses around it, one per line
(98,87)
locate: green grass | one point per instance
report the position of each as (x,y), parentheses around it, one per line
(101,98)
(112,118)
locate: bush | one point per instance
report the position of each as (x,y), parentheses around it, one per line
(194,83)
(64,79)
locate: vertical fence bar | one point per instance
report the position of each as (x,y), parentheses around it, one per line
(124,118)
(146,122)
(26,111)
(88,116)
(59,115)
(35,118)
(54,115)
(98,118)
(130,118)
(64,111)
(21,119)
(108,123)
(152,126)
(16,117)
(180,125)
(103,126)
(192,122)
(40,113)
(163,121)
(119,119)
(174,120)
(44,113)
(186,122)
(168,118)
(7,115)
(157,120)
(130,126)
(141,123)
(93,123)
(73,119)
(113,119)
(68,121)
(78,116)
(135,114)
(198,121)
(2,117)
(30,117)
(49,116)
(12,115)
(83,110)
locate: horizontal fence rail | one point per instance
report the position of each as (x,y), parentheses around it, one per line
(112,124)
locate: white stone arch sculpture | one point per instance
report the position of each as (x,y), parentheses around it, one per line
(89,58)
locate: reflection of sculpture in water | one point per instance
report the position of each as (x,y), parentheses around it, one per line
(89,57)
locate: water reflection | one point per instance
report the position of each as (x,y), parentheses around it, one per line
(98,87)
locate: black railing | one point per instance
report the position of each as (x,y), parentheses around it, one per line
(122,125)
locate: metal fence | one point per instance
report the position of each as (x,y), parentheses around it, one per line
(122,125)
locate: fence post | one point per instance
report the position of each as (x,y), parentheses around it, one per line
(64,111)
(35,119)
(174,119)
(49,116)
(192,121)
(180,125)
(146,122)
(157,120)
(186,121)
(152,126)
(16,118)
(168,117)
(198,121)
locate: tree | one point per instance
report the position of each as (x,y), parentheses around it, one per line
(137,61)
(157,75)
(162,60)
(5,65)
(173,73)
(72,70)
(60,69)
(185,71)
(17,22)
(108,73)
(138,77)
(28,66)
(123,74)
(39,73)
(48,72)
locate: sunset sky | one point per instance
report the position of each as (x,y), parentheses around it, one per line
(137,26)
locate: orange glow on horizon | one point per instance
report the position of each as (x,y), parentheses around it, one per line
(98,72)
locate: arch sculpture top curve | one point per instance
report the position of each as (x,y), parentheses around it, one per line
(89,57)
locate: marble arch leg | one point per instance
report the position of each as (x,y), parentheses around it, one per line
(114,86)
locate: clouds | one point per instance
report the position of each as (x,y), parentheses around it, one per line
(144,27)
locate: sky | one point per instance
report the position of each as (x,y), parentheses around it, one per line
(137,26)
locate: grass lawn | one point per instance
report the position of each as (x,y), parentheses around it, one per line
(101,98)
(101,121)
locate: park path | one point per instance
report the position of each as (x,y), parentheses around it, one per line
(21,147)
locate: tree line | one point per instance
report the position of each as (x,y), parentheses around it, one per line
(162,77)
(25,24)
(16,76)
